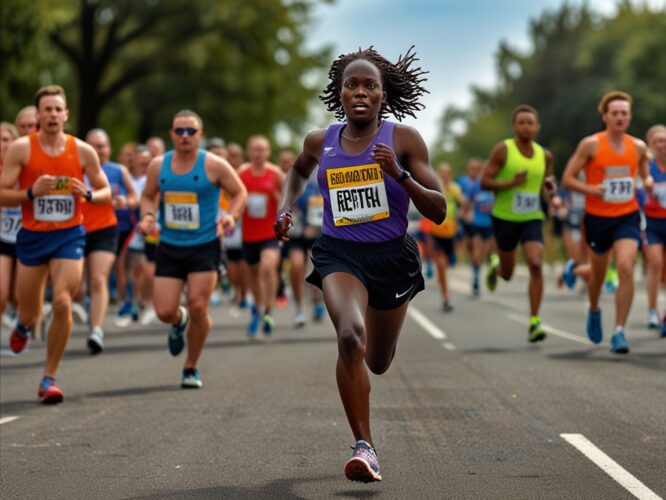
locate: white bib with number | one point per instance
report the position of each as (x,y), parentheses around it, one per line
(618,189)
(358,194)
(315,214)
(54,207)
(525,203)
(181,210)
(659,193)
(257,205)
(10,218)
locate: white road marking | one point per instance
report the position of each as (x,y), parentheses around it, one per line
(551,330)
(426,324)
(6,420)
(448,346)
(610,467)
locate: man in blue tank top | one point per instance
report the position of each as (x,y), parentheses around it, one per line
(184,184)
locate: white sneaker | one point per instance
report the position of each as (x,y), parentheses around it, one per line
(148,316)
(299,319)
(653,319)
(79,313)
(9,318)
(96,340)
(123,321)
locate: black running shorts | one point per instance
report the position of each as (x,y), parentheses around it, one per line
(177,261)
(102,240)
(508,234)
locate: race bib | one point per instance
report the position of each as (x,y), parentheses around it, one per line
(659,193)
(181,210)
(525,203)
(315,214)
(10,219)
(618,189)
(257,205)
(58,205)
(358,194)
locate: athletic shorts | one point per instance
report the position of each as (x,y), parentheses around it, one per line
(102,240)
(252,250)
(8,249)
(303,244)
(150,251)
(234,254)
(557,226)
(123,240)
(445,245)
(655,231)
(468,229)
(485,233)
(36,248)
(177,261)
(390,271)
(508,234)
(602,232)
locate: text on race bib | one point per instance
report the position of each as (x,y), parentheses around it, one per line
(525,203)
(54,208)
(181,210)
(358,194)
(257,205)
(10,224)
(618,189)
(315,214)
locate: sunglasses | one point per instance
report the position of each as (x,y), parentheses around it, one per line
(181,131)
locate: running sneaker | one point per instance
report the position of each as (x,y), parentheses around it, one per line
(176,339)
(49,393)
(299,319)
(191,379)
(255,321)
(611,280)
(148,316)
(18,340)
(268,323)
(282,301)
(363,465)
(663,328)
(96,340)
(79,313)
(319,311)
(619,344)
(491,273)
(536,331)
(215,298)
(429,270)
(243,304)
(476,289)
(653,319)
(594,330)
(568,275)
(447,306)
(9,317)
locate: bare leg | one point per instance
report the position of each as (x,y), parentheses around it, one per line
(533,252)
(625,258)
(200,287)
(99,268)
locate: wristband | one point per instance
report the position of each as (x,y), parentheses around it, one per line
(29,193)
(148,213)
(403,177)
(88,195)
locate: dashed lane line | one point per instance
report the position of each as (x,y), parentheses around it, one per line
(433,330)
(6,420)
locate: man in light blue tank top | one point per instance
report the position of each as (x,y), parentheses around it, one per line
(184,184)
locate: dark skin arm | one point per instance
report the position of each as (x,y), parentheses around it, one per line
(493,166)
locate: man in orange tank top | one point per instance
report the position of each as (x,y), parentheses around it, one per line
(49,166)
(611,160)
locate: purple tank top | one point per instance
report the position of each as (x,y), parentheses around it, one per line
(360,203)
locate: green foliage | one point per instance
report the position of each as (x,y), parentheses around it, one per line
(576,57)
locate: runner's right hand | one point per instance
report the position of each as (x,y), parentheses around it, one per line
(43,185)
(282,225)
(520,178)
(147,224)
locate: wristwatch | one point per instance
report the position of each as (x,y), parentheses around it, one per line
(403,177)
(88,195)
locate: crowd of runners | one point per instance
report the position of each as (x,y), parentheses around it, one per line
(164,233)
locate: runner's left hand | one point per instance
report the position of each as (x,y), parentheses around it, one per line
(225,224)
(282,226)
(78,187)
(385,156)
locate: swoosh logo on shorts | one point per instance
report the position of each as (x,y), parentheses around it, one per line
(398,295)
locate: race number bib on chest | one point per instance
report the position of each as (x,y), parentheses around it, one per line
(618,189)
(525,203)
(358,194)
(181,210)
(257,205)
(58,205)
(315,214)
(11,223)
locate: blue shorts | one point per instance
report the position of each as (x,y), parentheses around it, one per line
(655,231)
(36,248)
(602,232)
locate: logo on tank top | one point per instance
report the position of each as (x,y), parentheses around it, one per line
(358,194)
(327,151)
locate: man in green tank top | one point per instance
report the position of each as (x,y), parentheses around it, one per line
(519,170)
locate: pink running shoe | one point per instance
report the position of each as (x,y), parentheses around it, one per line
(49,393)
(363,465)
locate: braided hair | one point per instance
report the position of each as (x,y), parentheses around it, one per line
(401,83)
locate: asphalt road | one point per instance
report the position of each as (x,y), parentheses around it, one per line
(467,410)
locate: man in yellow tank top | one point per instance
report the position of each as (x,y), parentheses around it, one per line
(611,160)
(519,171)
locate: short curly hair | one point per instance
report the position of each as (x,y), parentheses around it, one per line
(402,84)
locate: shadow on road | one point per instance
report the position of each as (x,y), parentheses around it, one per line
(134,391)
(651,360)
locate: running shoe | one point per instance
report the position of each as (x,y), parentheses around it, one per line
(568,275)
(255,321)
(619,344)
(476,289)
(18,340)
(429,271)
(96,340)
(447,306)
(319,311)
(491,273)
(282,301)
(299,319)
(79,313)
(267,324)
(243,304)
(363,465)
(148,316)
(176,339)
(653,319)
(536,332)
(215,299)
(191,379)
(594,330)
(9,317)
(49,393)
(611,281)
(663,328)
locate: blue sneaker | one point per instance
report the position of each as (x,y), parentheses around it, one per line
(619,344)
(243,304)
(255,321)
(176,338)
(267,324)
(191,379)
(363,465)
(568,275)
(125,309)
(319,311)
(594,331)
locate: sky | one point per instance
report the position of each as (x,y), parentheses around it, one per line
(456,40)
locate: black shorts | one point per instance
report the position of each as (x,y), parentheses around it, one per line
(485,233)
(234,254)
(556,228)
(177,262)
(445,245)
(303,244)
(123,237)
(252,250)
(8,249)
(508,234)
(468,229)
(602,232)
(150,251)
(102,240)
(390,271)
